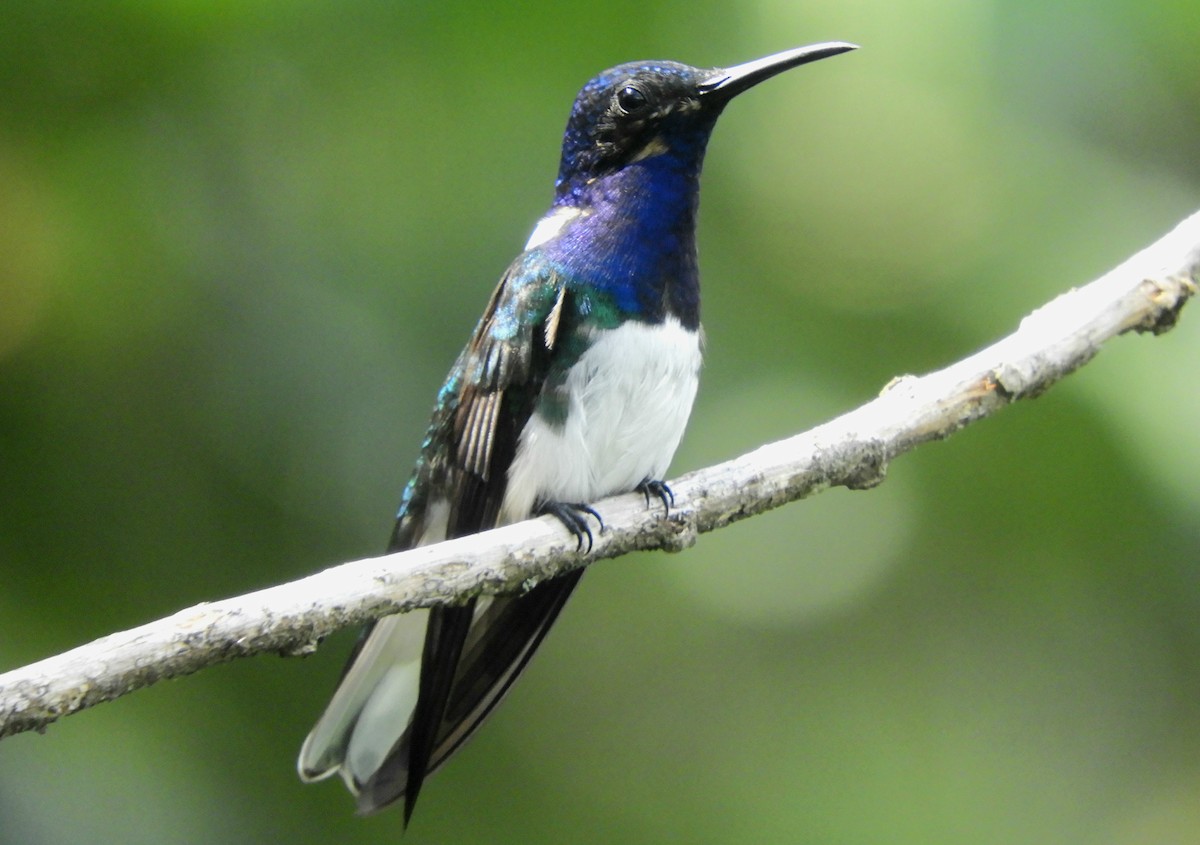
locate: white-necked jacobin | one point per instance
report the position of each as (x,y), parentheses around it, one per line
(576,385)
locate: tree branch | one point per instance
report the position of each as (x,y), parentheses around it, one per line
(1144,294)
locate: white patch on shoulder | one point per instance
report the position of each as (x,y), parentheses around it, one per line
(629,398)
(551,225)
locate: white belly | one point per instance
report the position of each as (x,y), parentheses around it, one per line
(629,398)
(628,401)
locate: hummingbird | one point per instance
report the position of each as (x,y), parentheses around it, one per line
(577,384)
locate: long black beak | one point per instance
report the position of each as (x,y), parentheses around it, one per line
(726,83)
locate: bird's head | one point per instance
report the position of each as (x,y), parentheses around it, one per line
(639,110)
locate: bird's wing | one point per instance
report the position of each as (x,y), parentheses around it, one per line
(407,701)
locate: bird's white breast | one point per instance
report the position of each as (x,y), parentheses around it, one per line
(628,401)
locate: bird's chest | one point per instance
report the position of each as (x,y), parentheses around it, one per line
(613,419)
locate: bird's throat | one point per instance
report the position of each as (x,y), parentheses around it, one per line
(634,239)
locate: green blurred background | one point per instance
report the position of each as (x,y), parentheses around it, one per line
(241,242)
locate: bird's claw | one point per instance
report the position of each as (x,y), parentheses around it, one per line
(660,491)
(574,519)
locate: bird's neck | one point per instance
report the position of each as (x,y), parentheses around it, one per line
(635,238)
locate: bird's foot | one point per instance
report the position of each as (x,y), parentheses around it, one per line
(574,518)
(660,491)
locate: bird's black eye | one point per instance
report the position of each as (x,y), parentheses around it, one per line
(631,99)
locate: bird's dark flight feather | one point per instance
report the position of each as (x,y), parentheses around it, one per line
(468,664)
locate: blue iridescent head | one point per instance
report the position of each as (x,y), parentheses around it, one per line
(643,109)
